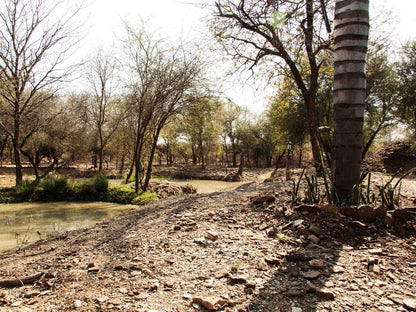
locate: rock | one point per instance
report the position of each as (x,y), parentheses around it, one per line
(374,268)
(115,301)
(349,211)
(272,260)
(380,212)
(314,239)
(372,260)
(311,274)
(375,251)
(329,208)
(338,269)
(221,273)
(93,269)
(262,265)
(308,208)
(292,270)
(366,213)
(272,232)
(210,303)
(264,199)
(316,264)
(358,224)
(316,229)
(233,280)
(177,227)
(410,304)
(388,220)
(212,235)
(294,293)
(77,304)
(296,309)
(32,293)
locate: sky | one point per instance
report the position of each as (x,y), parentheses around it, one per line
(180,19)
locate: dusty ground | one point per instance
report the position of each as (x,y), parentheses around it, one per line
(220,251)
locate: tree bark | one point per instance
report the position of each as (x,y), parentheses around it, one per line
(351,40)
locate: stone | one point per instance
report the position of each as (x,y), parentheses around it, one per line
(311,274)
(324,294)
(410,303)
(264,199)
(316,229)
(338,269)
(237,279)
(212,235)
(366,213)
(313,238)
(380,212)
(77,304)
(272,232)
(292,270)
(349,211)
(210,303)
(375,251)
(115,301)
(296,309)
(272,260)
(388,220)
(262,265)
(316,264)
(222,273)
(32,293)
(329,208)
(308,208)
(294,293)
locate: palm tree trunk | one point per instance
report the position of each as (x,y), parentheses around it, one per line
(351,39)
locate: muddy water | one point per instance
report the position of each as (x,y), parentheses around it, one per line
(27,222)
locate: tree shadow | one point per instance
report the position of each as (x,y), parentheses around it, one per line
(322,276)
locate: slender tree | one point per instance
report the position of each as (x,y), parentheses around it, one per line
(351,40)
(34,41)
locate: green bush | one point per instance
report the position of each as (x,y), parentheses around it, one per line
(100,182)
(121,195)
(26,190)
(144,198)
(55,184)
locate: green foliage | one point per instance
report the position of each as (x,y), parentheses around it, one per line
(406,69)
(100,182)
(144,198)
(367,197)
(27,189)
(313,193)
(121,195)
(55,184)
(295,189)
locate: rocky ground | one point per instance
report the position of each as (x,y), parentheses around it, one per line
(243,250)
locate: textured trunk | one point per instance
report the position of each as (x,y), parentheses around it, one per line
(351,39)
(16,150)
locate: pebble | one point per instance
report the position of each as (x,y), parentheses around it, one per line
(77,304)
(212,235)
(410,304)
(210,303)
(311,274)
(316,264)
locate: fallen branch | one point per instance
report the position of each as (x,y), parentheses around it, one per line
(12,282)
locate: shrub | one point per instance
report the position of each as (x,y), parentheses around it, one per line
(144,198)
(26,190)
(121,195)
(55,184)
(100,182)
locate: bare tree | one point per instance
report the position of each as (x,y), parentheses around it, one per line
(298,42)
(162,77)
(106,111)
(33,45)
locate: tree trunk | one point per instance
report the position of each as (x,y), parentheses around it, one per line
(16,151)
(351,39)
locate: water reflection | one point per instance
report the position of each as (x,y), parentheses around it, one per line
(32,221)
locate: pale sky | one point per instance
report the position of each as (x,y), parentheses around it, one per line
(180,19)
